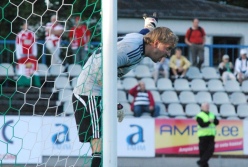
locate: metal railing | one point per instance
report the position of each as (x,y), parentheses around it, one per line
(213,52)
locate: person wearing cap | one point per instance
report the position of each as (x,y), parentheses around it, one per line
(226,69)
(79,36)
(241,66)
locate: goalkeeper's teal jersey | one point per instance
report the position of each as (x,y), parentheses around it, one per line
(130,52)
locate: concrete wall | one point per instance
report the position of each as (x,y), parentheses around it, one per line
(212,28)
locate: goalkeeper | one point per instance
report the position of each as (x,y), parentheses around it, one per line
(152,42)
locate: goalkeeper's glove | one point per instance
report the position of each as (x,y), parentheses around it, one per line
(151,21)
(120,112)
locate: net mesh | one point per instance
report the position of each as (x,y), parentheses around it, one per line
(38,70)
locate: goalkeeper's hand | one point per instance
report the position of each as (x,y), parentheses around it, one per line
(120,112)
(151,21)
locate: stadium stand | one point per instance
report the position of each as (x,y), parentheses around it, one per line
(181,85)
(129,82)
(232,86)
(227,110)
(186,97)
(142,71)
(198,85)
(164,84)
(203,96)
(191,110)
(209,73)
(169,97)
(193,73)
(74,70)
(175,109)
(150,83)
(215,85)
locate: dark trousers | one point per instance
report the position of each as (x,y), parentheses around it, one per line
(197,51)
(206,150)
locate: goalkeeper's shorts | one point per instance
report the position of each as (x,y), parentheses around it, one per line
(88,116)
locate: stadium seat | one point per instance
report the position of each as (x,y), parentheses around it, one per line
(215,85)
(150,83)
(6,69)
(74,82)
(57,69)
(209,73)
(129,83)
(191,110)
(193,73)
(62,82)
(156,96)
(181,85)
(203,96)
(74,70)
(244,86)
(169,97)
(43,70)
(175,109)
(162,108)
(198,85)
(213,108)
(142,71)
(242,110)
(164,84)
(227,110)
(129,74)
(237,98)
(119,84)
(233,118)
(186,97)
(148,62)
(122,97)
(162,117)
(127,108)
(180,117)
(65,95)
(220,98)
(232,86)
(68,108)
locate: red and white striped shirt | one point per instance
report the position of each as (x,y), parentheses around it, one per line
(25,44)
(49,35)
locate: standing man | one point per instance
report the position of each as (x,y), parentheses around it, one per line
(87,94)
(207,122)
(53,34)
(195,39)
(79,36)
(25,43)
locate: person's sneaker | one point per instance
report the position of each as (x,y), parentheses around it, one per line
(150,21)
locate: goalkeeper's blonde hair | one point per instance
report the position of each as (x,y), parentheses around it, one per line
(161,34)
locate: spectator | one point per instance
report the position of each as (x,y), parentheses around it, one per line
(226,69)
(206,132)
(25,43)
(179,64)
(195,39)
(143,101)
(161,68)
(53,34)
(26,53)
(79,36)
(241,66)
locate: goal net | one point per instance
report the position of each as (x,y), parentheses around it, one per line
(43,47)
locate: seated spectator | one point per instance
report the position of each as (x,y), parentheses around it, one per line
(143,101)
(226,69)
(161,69)
(27,72)
(179,64)
(241,66)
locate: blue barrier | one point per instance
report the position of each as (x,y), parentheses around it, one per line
(215,51)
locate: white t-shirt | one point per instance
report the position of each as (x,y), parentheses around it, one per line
(130,52)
